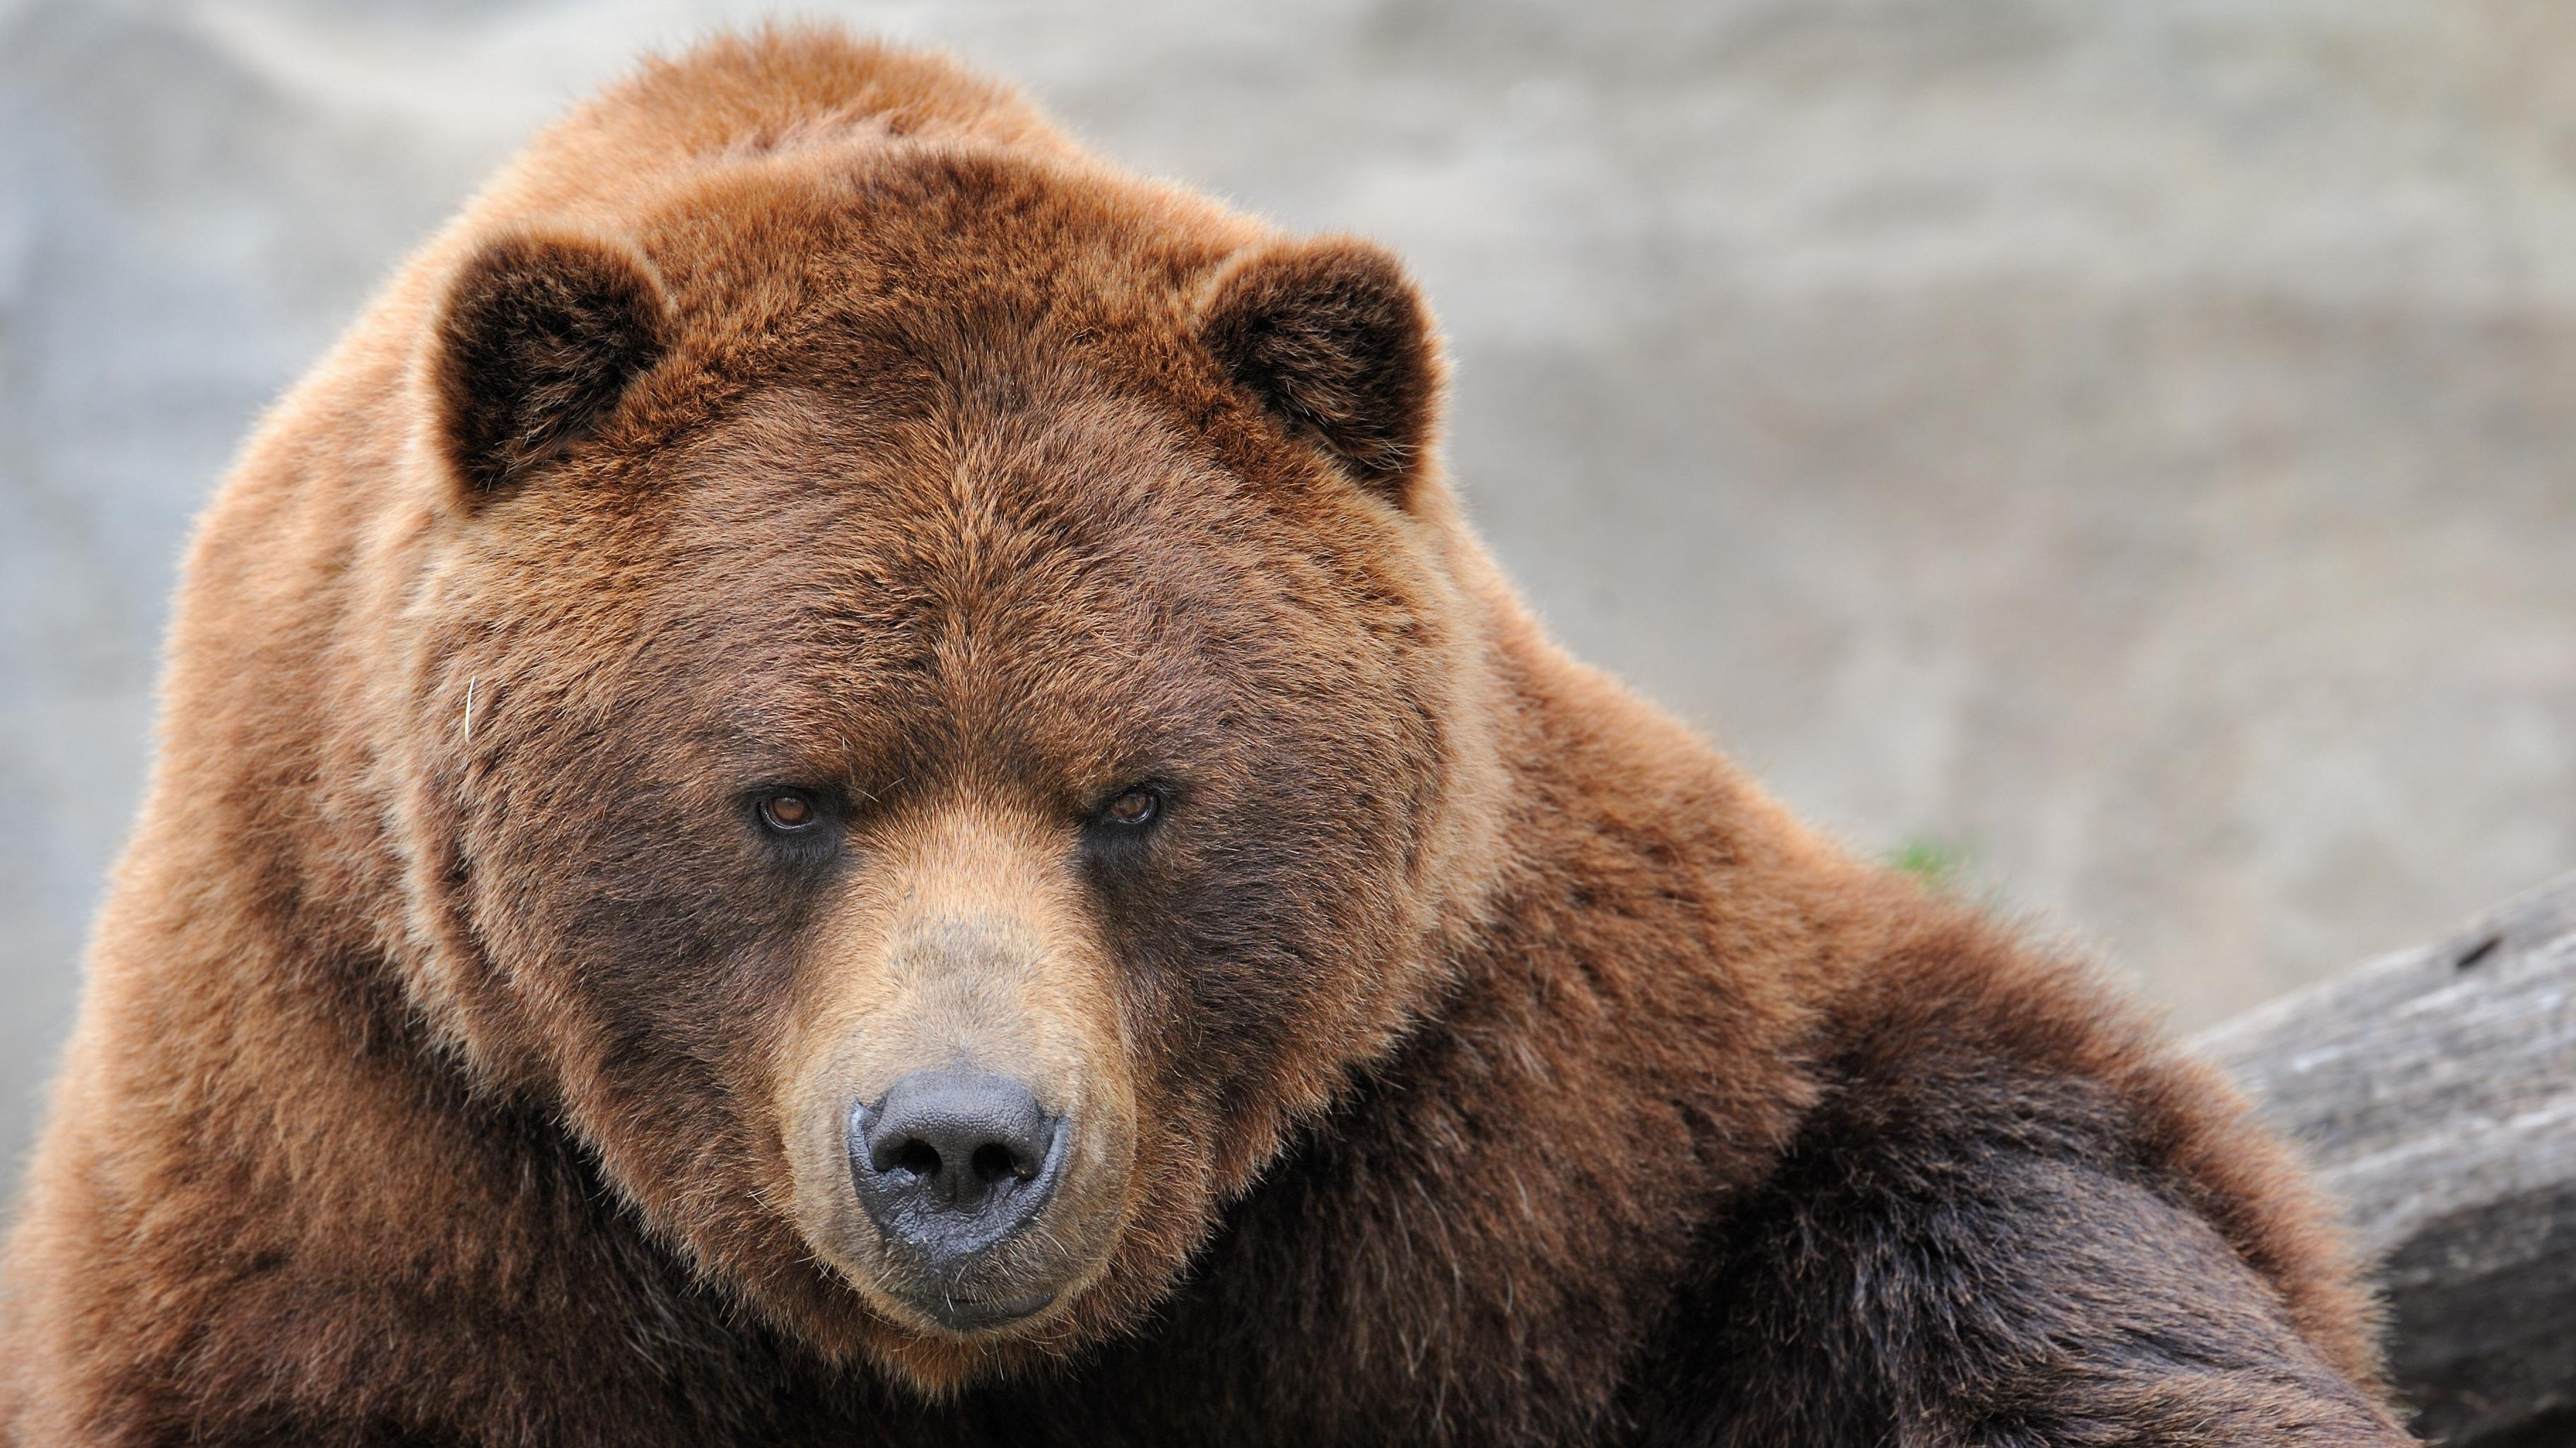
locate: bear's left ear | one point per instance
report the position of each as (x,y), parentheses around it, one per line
(1333,338)
(538,338)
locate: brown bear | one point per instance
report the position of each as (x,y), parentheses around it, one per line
(848,779)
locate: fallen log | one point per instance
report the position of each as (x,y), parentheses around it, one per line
(2435,1092)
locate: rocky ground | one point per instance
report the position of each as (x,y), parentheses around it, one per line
(2118,454)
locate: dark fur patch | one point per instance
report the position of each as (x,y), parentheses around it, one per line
(540,337)
(1967,1249)
(1334,340)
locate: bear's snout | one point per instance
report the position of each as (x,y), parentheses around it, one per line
(950,1165)
(959,1093)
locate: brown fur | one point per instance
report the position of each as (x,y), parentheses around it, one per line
(1471,1054)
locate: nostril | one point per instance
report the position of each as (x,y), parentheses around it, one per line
(917,1157)
(993,1162)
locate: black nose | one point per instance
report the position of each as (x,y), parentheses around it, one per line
(953,1162)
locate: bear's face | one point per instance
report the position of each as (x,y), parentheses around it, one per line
(953,772)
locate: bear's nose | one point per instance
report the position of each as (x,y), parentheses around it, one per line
(952,1162)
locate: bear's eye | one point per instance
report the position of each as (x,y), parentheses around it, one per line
(789,810)
(1132,809)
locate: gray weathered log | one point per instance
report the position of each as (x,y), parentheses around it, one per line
(2435,1091)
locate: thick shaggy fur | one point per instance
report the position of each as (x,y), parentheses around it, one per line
(1468,1055)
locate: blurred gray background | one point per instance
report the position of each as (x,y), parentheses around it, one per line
(2116,451)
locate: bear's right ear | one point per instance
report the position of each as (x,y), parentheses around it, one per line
(539,336)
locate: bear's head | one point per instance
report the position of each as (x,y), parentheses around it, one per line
(944,720)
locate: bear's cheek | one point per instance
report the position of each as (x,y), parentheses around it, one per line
(954,1092)
(1267,957)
